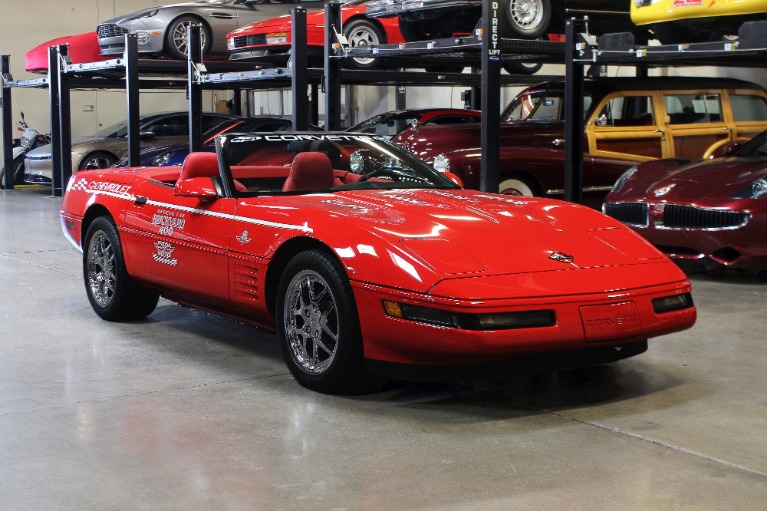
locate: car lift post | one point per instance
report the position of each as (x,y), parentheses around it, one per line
(573,116)
(194,89)
(61,119)
(332,79)
(299,75)
(5,102)
(491,97)
(132,96)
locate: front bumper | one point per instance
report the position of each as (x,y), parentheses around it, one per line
(584,322)
(150,37)
(737,241)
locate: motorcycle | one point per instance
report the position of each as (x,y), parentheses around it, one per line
(30,139)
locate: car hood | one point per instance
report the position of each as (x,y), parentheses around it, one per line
(699,181)
(126,17)
(453,232)
(427,142)
(314,20)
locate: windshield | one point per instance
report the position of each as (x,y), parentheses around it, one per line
(311,162)
(540,106)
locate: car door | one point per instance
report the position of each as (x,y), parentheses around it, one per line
(180,243)
(694,122)
(628,125)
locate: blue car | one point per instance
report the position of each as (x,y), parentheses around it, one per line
(174,154)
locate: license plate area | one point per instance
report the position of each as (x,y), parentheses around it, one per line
(611,322)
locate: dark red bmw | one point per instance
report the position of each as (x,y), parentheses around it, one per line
(710,210)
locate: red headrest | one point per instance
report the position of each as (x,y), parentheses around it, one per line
(310,171)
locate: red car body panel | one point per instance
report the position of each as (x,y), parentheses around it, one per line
(315,29)
(437,248)
(82,48)
(702,191)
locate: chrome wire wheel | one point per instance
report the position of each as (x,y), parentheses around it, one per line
(526,14)
(311,322)
(101,272)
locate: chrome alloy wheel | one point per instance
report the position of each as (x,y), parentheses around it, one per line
(526,14)
(362,36)
(101,269)
(181,34)
(311,322)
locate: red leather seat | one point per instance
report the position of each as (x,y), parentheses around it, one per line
(310,171)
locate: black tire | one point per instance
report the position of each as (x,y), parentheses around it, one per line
(18,173)
(111,291)
(361,33)
(177,33)
(525,19)
(671,33)
(522,68)
(318,326)
(97,160)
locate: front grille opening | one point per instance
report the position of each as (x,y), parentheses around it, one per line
(688,217)
(726,255)
(629,213)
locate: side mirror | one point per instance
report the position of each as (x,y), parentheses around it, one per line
(199,187)
(454,178)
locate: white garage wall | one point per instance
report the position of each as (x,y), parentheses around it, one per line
(25,24)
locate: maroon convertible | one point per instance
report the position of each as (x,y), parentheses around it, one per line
(713,210)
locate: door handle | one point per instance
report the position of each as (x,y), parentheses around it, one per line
(558,141)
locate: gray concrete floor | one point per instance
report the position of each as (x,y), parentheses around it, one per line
(190,411)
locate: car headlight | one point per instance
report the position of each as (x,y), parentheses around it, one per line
(163,159)
(145,14)
(467,321)
(357,162)
(441,163)
(755,190)
(621,182)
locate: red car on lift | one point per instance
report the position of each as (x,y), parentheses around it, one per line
(708,210)
(366,260)
(272,37)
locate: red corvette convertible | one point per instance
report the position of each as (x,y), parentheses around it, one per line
(364,259)
(272,37)
(712,210)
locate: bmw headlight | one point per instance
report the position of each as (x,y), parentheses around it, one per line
(145,14)
(757,189)
(621,182)
(441,163)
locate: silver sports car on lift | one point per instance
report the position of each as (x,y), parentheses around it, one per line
(164,29)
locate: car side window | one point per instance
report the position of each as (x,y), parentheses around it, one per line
(170,126)
(453,119)
(748,107)
(626,111)
(693,108)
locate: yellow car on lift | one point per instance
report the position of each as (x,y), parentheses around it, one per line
(689,21)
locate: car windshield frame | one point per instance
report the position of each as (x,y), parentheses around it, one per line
(389,167)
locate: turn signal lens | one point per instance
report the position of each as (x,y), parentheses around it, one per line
(672,303)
